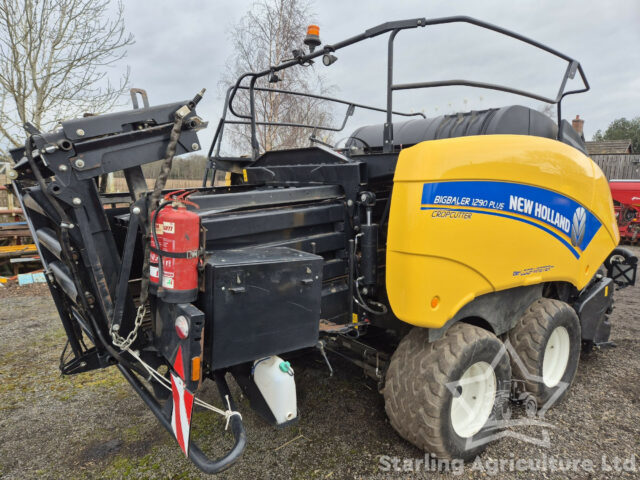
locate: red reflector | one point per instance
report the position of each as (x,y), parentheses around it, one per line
(182,327)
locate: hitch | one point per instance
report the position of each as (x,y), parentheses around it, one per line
(196,455)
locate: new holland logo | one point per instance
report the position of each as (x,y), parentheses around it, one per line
(578,225)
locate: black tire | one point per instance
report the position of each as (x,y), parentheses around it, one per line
(418,401)
(529,340)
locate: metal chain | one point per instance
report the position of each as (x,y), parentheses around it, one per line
(161,181)
(125,343)
(118,341)
(174,137)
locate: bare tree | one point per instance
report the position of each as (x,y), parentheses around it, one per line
(54,56)
(265,36)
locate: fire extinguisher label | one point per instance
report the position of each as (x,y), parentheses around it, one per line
(167,280)
(153,271)
(158,229)
(169,227)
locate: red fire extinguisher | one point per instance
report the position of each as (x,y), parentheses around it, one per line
(177,231)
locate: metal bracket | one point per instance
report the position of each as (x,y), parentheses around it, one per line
(134,97)
(320,346)
(127,259)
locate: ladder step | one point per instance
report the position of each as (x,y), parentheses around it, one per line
(48,240)
(63,278)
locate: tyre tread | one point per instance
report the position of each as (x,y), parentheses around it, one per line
(413,404)
(528,337)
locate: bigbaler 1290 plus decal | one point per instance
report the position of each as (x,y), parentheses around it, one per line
(419,250)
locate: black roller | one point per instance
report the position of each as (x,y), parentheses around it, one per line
(514,120)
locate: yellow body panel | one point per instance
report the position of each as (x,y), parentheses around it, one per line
(474,215)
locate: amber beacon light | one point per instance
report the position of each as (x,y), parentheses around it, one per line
(312,40)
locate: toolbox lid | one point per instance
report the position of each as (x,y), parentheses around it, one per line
(257,255)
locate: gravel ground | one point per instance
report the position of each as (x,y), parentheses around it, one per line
(94,426)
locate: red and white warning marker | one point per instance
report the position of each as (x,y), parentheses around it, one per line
(182,406)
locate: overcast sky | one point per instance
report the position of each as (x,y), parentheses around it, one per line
(183,46)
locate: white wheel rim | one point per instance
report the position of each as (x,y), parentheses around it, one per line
(556,357)
(473,399)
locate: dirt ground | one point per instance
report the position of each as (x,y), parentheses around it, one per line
(94,426)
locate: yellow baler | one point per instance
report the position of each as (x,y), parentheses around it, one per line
(474,215)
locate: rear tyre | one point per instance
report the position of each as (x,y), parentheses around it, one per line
(447,397)
(546,341)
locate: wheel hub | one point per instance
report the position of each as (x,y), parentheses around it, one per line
(472,406)
(556,357)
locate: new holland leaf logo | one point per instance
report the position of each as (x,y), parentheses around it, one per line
(578,226)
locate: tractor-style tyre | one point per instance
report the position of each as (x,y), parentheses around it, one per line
(546,345)
(447,397)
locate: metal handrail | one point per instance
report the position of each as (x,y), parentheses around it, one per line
(350,109)
(394,28)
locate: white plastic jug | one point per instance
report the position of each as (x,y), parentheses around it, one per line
(274,378)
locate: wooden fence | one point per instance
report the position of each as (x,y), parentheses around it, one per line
(619,167)
(120,184)
(7,203)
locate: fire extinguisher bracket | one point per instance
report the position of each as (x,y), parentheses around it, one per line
(163,253)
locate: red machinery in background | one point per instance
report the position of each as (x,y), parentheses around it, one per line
(626,200)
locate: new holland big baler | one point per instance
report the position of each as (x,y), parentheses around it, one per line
(419,251)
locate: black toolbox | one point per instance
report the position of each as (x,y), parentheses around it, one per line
(259,302)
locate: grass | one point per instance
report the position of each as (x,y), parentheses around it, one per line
(24,373)
(125,467)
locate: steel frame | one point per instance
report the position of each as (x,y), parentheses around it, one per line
(393,28)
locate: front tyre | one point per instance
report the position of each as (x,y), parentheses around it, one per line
(447,397)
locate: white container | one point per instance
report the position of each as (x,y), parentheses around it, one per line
(274,378)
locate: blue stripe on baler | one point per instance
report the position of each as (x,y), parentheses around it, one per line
(529,222)
(497,196)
